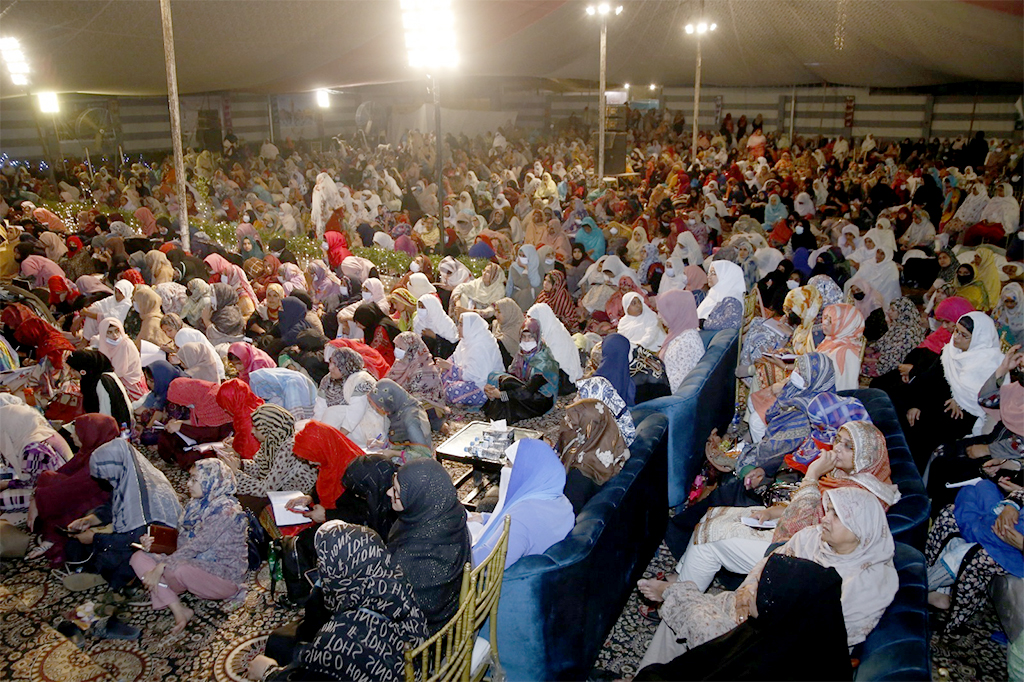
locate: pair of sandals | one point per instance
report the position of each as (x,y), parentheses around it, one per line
(649,609)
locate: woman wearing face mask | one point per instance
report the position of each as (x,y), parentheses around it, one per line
(971,287)
(941,403)
(415,371)
(531,386)
(123,355)
(524,277)
(408,435)
(871,306)
(640,324)
(801,307)
(475,358)
(1009,313)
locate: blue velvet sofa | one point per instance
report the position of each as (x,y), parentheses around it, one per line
(705,401)
(557,608)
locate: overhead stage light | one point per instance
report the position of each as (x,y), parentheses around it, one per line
(430,33)
(323,99)
(48,102)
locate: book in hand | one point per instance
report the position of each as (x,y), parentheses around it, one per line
(757,523)
(282,515)
(165,540)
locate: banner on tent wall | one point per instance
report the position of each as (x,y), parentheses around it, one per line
(297,117)
(453,121)
(848,119)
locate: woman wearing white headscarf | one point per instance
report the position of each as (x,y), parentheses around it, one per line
(973,206)
(882,274)
(1003,209)
(556,337)
(849,240)
(28,446)
(688,249)
(474,359)
(967,370)
(674,276)
(115,306)
(480,292)
(452,272)
(431,317)
(723,306)
(123,355)
(767,260)
(200,361)
(419,285)
(640,324)
(921,232)
(803,205)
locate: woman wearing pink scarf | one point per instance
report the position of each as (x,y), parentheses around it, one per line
(234,276)
(123,355)
(147,223)
(40,269)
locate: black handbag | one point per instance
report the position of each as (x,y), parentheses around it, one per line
(298,570)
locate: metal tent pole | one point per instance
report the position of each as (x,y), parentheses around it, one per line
(696,106)
(601,103)
(175,111)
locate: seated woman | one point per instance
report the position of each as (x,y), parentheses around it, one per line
(971,287)
(102,391)
(147,304)
(207,422)
(853,538)
(530,387)
(211,557)
(123,355)
(275,466)
(341,364)
(508,322)
(979,537)
(478,294)
(247,358)
(154,407)
(555,295)
(612,384)
(438,330)
(142,496)
(926,354)
(640,324)
(180,334)
(379,331)
(858,458)
(871,306)
(984,455)
(66,494)
(239,402)
(532,498)
(267,313)
(408,435)
(28,447)
(429,541)
(199,361)
(844,337)
(904,332)
(592,449)
(415,371)
(524,277)
(723,306)
(294,391)
(474,360)
(682,348)
(802,306)
(222,317)
(941,403)
(558,340)
(367,596)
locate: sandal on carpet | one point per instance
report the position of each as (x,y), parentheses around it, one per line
(723,461)
(40,550)
(649,613)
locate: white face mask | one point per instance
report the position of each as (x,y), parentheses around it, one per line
(399,354)
(414,267)
(528,346)
(799,229)
(549,261)
(523,260)
(614,230)
(113,342)
(325,246)
(136,307)
(670,272)
(797,380)
(791,284)
(367,296)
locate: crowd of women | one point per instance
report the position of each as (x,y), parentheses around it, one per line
(259,371)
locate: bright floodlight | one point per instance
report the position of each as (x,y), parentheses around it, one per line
(618,10)
(626,86)
(48,103)
(689,28)
(702,27)
(323,99)
(19,79)
(714,26)
(9,44)
(14,55)
(590,10)
(18,67)
(429,33)
(653,86)
(604,8)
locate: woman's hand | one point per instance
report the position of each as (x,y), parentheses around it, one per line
(258,667)
(152,578)
(746,602)
(299,501)
(905,371)
(769,514)
(754,478)
(317,513)
(1006,520)
(777,387)
(953,409)
(1011,360)
(147,542)
(825,463)
(1007,486)
(913,414)
(1009,535)
(83,524)
(442,364)
(491,392)
(977,451)
(173,426)
(429,333)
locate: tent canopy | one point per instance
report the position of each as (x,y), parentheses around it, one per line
(115,46)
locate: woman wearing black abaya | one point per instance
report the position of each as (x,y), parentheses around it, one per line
(429,540)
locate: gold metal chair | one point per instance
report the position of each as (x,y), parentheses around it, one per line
(446,655)
(485,590)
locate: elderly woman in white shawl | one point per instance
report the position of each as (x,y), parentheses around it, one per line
(478,294)
(640,324)
(474,360)
(116,306)
(881,273)
(558,340)
(326,200)
(723,306)
(1003,209)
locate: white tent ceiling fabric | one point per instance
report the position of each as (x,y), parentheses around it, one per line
(115,46)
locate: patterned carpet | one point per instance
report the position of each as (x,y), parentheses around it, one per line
(218,645)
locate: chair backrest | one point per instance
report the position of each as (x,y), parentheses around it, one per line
(485,583)
(446,656)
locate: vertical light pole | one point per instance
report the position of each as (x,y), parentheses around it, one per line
(700,29)
(175,112)
(430,41)
(602,10)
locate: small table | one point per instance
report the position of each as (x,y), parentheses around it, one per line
(456,449)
